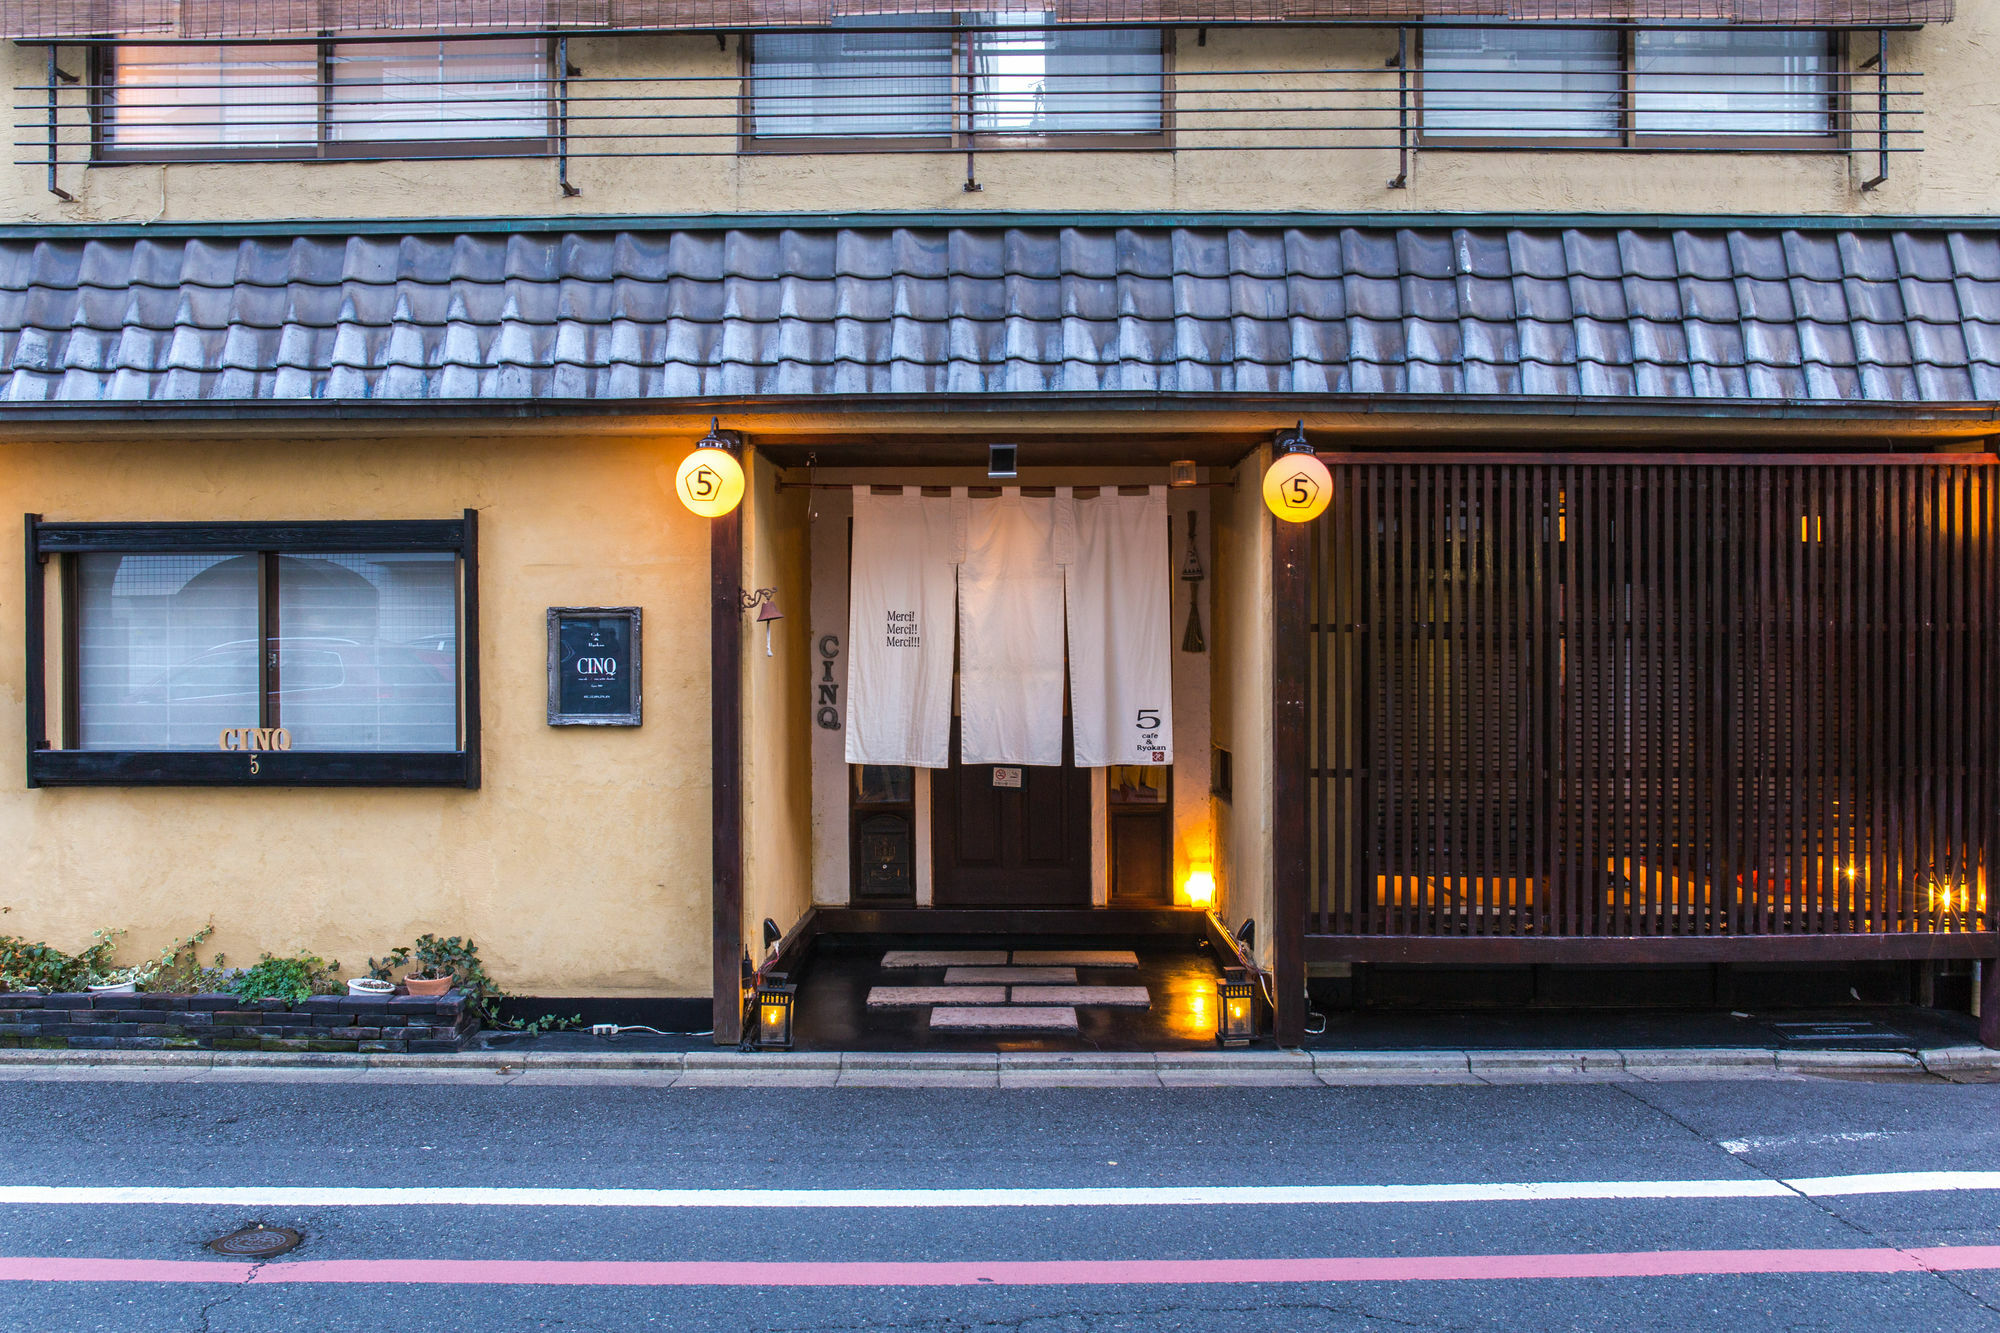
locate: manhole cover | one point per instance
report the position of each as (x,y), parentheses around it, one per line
(1855,1031)
(257,1242)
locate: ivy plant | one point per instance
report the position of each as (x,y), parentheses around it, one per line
(290,979)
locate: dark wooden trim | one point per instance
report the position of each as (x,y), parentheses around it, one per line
(468,649)
(319,537)
(34,612)
(1289,833)
(1610,457)
(725,708)
(1498,950)
(1010,921)
(231,768)
(1989,1002)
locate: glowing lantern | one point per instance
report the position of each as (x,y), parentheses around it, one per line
(710,480)
(1297,486)
(1200,887)
(1235,1008)
(773,1013)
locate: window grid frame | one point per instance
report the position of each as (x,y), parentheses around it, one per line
(58,544)
(962,138)
(325,147)
(1837,138)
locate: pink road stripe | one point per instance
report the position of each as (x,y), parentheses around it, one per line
(1055,1272)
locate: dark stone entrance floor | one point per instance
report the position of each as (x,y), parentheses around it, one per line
(832,1014)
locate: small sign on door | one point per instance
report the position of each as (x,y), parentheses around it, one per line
(1007,777)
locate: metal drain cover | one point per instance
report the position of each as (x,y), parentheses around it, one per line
(1854,1030)
(258,1242)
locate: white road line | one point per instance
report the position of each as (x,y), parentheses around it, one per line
(1907,1182)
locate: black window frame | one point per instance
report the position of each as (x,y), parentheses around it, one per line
(1627,137)
(48,548)
(324,147)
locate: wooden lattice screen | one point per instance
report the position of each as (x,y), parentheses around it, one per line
(1667,698)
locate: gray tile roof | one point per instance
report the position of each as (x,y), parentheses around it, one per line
(1812,315)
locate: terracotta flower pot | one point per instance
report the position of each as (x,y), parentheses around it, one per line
(432,986)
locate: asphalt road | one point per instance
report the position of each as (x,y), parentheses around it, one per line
(602,1135)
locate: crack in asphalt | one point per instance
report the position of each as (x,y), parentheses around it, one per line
(1824,1206)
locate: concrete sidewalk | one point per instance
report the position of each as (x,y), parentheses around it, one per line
(1162,1069)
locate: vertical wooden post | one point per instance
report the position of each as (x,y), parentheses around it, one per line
(36,660)
(725,578)
(1989,1004)
(1289,658)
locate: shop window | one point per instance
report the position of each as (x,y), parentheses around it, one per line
(932,80)
(332,99)
(260,654)
(1603,87)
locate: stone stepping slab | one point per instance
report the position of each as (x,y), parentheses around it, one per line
(1000,976)
(1076,958)
(1004,1018)
(945,958)
(914,997)
(1136,997)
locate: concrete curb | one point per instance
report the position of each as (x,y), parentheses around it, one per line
(1248,1068)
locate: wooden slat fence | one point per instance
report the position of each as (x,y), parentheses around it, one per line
(1660,698)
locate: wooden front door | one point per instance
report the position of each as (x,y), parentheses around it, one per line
(995,844)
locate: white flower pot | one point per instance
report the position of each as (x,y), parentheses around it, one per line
(115,988)
(369,988)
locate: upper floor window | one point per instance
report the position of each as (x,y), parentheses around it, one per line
(352,99)
(1577,85)
(933,78)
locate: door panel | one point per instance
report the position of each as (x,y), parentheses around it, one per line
(1026,846)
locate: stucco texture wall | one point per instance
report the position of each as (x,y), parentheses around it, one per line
(1236,67)
(777,715)
(582,865)
(1241,696)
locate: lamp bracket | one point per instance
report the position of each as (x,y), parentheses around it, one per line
(1292,441)
(751,599)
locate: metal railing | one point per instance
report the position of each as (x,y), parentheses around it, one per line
(1870,111)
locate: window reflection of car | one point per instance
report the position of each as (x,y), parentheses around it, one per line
(332,694)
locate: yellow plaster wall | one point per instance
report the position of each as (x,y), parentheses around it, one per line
(777,717)
(1952,175)
(1241,695)
(581,867)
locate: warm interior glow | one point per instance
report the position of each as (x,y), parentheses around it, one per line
(774,1018)
(1237,1010)
(1200,887)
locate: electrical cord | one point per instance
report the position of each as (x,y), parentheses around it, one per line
(619,1030)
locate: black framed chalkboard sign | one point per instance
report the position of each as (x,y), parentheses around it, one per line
(593,666)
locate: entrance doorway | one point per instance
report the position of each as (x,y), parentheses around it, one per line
(1010,835)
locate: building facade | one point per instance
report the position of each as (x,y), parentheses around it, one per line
(355,368)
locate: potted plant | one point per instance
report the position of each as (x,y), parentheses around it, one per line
(370,987)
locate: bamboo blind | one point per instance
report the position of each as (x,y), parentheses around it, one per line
(1653,700)
(235,19)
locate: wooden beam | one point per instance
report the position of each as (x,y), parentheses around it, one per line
(725,669)
(1289,660)
(1104,921)
(1501,950)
